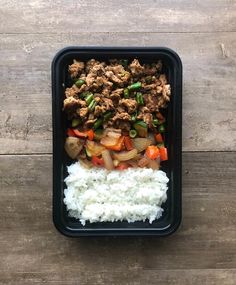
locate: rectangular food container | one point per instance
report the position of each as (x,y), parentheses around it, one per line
(171,216)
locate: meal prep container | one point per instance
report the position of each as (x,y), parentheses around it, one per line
(171,216)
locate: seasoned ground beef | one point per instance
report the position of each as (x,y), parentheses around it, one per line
(119,90)
(76,68)
(129,104)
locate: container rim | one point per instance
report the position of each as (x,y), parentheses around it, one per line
(143,50)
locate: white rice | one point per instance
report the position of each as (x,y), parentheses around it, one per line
(98,195)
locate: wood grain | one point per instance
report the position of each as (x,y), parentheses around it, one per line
(42,16)
(209,92)
(202,252)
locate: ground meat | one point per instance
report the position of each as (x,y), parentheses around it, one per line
(117,74)
(99,110)
(89,124)
(143,110)
(71,92)
(148,87)
(163,79)
(97,70)
(105,104)
(90,64)
(166,92)
(108,103)
(75,68)
(70,103)
(121,116)
(119,71)
(151,102)
(116,95)
(148,118)
(124,125)
(136,68)
(114,78)
(129,104)
(107,83)
(83,112)
(120,109)
(149,70)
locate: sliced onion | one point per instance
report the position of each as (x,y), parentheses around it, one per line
(113,135)
(116,162)
(108,130)
(125,155)
(143,162)
(109,141)
(132,163)
(141,143)
(108,162)
(138,156)
(85,163)
(153,163)
(94,148)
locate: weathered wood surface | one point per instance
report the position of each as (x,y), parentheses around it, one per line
(42,16)
(209,89)
(202,252)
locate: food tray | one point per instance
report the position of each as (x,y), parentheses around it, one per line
(171,216)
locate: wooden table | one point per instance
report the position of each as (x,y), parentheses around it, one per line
(203,251)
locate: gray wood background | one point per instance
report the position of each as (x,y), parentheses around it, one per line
(203,251)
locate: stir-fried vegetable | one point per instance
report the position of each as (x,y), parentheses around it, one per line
(132,133)
(98,134)
(86,163)
(80,134)
(89,98)
(141,128)
(92,105)
(112,133)
(139,98)
(159,138)
(97,161)
(95,149)
(90,134)
(126,93)
(107,116)
(155,123)
(85,94)
(134,86)
(128,143)
(163,153)
(124,62)
(152,152)
(97,124)
(153,163)
(70,133)
(75,123)
(161,129)
(108,162)
(73,146)
(79,82)
(141,143)
(143,162)
(122,166)
(113,143)
(125,155)
(161,118)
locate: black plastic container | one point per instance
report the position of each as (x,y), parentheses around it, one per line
(171,217)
